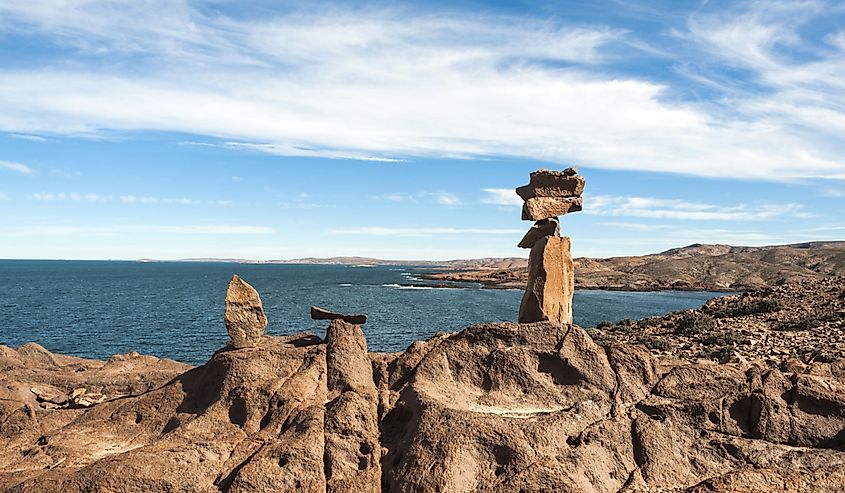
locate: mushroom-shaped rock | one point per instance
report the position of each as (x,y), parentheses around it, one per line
(245,319)
(318,313)
(541,229)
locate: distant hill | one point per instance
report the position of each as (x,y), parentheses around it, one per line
(694,267)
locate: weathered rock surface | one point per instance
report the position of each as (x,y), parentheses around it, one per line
(799,322)
(541,229)
(245,319)
(318,313)
(498,407)
(539,208)
(352,454)
(545,183)
(551,282)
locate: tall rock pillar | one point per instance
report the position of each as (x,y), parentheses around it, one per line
(551,272)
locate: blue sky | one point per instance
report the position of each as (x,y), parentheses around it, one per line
(173,129)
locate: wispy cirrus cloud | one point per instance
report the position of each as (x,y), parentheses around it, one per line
(501,196)
(306,82)
(16,167)
(72,196)
(145,229)
(662,208)
(421,231)
(440,198)
(124,199)
(152,200)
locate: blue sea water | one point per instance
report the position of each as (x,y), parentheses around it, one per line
(96,309)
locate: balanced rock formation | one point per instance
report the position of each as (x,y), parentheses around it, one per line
(551,272)
(318,313)
(245,319)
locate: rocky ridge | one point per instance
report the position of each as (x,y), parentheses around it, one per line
(695,267)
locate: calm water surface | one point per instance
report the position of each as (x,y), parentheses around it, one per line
(175,309)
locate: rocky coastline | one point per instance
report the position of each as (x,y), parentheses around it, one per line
(745,394)
(496,407)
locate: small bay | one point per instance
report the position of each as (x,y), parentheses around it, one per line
(95,309)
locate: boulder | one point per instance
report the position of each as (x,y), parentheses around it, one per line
(245,319)
(551,282)
(541,229)
(545,183)
(539,208)
(318,313)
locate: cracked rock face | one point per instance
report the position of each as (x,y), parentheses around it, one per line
(245,319)
(498,407)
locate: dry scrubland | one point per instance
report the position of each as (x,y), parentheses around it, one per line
(697,267)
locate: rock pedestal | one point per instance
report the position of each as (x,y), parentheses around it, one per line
(551,272)
(551,282)
(245,319)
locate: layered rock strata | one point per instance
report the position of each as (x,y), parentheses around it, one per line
(244,317)
(551,273)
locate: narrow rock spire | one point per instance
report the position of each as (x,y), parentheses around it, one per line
(245,319)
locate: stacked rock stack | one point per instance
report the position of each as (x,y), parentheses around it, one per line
(551,273)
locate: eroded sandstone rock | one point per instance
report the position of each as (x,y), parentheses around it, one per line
(352,450)
(245,319)
(551,282)
(545,183)
(318,313)
(541,229)
(539,208)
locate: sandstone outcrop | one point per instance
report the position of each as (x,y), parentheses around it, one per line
(497,407)
(318,313)
(245,319)
(551,272)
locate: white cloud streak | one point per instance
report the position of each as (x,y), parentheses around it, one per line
(501,196)
(440,198)
(145,229)
(124,199)
(16,167)
(374,85)
(421,231)
(659,208)
(75,197)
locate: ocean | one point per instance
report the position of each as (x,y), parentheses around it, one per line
(95,309)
